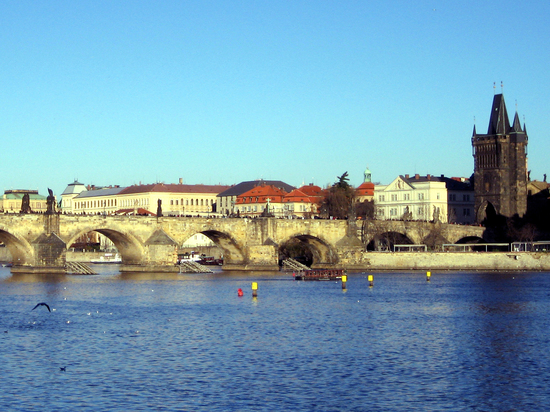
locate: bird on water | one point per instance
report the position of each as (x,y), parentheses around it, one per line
(42,304)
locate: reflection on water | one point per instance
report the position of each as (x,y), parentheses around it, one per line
(463,341)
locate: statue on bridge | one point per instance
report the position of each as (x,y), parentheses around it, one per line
(50,203)
(159,208)
(26,204)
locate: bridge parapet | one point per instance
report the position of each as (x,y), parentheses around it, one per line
(145,243)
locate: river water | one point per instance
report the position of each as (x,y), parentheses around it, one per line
(170,342)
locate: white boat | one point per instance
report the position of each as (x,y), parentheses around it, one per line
(108,258)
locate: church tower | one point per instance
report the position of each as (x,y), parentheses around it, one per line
(500,164)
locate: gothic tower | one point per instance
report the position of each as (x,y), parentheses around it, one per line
(500,164)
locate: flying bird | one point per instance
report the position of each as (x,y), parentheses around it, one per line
(42,304)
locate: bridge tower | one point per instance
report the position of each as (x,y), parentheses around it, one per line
(500,164)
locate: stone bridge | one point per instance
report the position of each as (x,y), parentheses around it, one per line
(38,243)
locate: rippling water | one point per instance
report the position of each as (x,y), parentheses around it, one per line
(462,342)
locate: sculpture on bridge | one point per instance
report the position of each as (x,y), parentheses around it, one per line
(159,208)
(26,204)
(50,203)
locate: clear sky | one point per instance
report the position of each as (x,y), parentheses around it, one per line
(122,92)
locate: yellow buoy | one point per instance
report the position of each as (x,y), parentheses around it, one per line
(371,280)
(254,289)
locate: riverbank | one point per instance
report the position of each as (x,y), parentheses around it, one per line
(463,261)
(362,261)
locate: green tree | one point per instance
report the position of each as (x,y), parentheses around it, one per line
(338,201)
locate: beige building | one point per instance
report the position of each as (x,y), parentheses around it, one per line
(425,198)
(11,201)
(176,199)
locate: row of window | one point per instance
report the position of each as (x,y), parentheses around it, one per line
(466,212)
(406,196)
(90,204)
(189,202)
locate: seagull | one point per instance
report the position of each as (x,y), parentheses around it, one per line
(42,304)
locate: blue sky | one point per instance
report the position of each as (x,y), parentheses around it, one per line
(122,92)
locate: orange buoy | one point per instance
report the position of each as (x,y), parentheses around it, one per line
(240,292)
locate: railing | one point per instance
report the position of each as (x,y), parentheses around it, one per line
(530,246)
(410,248)
(476,247)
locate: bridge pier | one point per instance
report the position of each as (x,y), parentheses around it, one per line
(148,268)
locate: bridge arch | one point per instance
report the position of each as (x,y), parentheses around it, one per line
(130,249)
(232,251)
(470,240)
(387,240)
(21,251)
(322,252)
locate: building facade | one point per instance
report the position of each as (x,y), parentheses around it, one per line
(175,199)
(12,200)
(261,200)
(500,164)
(227,200)
(303,202)
(425,198)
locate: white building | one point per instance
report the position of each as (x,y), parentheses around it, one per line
(426,198)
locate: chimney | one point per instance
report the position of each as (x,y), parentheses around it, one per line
(429,177)
(417,176)
(181,180)
(406,176)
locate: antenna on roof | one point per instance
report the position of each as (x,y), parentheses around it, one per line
(501,87)
(495,87)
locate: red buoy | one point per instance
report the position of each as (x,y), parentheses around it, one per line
(240,292)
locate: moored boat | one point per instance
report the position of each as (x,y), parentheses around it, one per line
(320,274)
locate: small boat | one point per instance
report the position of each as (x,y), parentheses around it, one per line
(108,258)
(210,260)
(320,274)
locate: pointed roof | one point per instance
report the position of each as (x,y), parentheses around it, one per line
(499,122)
(516,126)
(74,188)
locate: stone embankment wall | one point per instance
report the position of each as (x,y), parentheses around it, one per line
(456,261)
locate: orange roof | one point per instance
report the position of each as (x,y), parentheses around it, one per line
(365,189)
(311,190)
(260,194)
(309,195)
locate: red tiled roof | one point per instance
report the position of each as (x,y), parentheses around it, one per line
(365,189)
(299,195)
(260,194)
(311,190)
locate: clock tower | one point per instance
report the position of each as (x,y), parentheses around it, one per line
(500,164)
